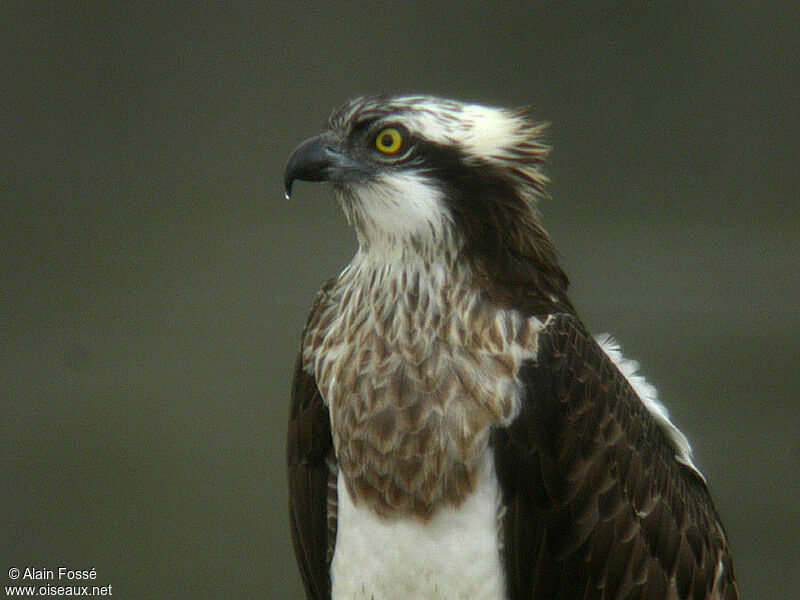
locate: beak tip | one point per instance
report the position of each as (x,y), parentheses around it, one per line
(313,160)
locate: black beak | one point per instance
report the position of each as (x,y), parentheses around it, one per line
(320,158)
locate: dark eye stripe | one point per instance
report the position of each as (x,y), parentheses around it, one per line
(363,124)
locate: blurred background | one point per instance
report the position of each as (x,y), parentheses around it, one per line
(154,281)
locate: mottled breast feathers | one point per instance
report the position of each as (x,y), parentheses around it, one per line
(416,370)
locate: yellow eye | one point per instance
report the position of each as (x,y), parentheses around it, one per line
(389,141)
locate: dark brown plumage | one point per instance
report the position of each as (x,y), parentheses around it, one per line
(597,505)
(309,450)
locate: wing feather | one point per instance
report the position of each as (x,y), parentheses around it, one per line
(597,506)
(310,468)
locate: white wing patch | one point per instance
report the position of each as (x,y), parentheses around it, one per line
(649,396)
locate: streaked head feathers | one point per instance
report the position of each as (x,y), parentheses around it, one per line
(506,139)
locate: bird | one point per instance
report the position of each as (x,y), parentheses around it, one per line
(455,431)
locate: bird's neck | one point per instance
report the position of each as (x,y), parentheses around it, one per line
(531,282)
(391,270)
(409,251)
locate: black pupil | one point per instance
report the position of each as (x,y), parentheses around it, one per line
(386,140)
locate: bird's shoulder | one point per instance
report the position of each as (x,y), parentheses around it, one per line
(595,489)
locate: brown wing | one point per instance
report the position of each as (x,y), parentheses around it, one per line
(596,504)
(309,451)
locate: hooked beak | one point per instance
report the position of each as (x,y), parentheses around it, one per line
(321,158)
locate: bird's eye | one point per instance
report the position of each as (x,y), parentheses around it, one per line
(389,141)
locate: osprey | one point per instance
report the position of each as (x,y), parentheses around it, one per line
(455,432)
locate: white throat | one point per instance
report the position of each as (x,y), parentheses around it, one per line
(398,214)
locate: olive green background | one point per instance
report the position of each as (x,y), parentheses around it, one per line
(154,281)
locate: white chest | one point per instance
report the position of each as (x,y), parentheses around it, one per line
(454,555)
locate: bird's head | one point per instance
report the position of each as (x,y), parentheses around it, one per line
(418,173)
